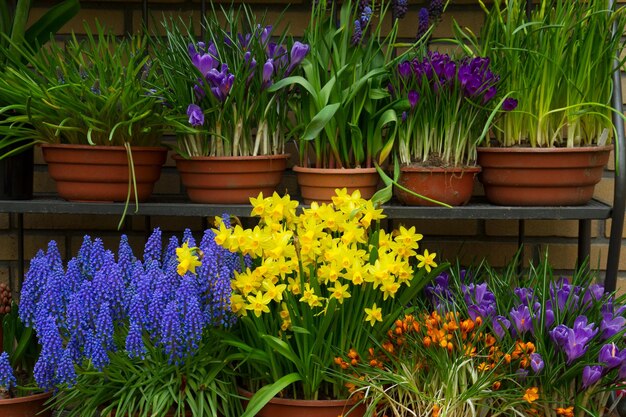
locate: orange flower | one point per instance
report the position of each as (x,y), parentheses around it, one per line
(484,367)
(436,410)
(496,385)
(467,325)
(352,354)
(388,346)
(427,341)
(565,412)
(531,395)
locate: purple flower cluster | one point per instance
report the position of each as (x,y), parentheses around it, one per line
(576,322)
(362,23)
(79,312)
(7,379)
(438,72)
(240,67)
(399,8)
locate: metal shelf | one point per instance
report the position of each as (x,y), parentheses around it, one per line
(168,206)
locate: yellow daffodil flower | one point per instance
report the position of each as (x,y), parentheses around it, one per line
(258,304)
(275,292)
(408,237)
(373,314)
(427,260)
(187,259)
(340,292)
(258,205)
(389,287)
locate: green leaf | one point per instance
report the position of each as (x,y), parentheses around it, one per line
(266,393)
(283,348)
(319,121)
(48,24)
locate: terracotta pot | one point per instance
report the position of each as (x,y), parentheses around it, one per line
(281,407)
(541,176)
(230,180)
(100,173)
(319,184)
(29,406)
(452,186)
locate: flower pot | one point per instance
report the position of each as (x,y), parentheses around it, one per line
(541,176)
(319,184)
(100,173)
(281,407)
(29,406)
(452,186)
(230,179)
(16,175)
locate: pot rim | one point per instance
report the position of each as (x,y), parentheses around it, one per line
(102,147)
(307,403)
(230,158)
(469,169)
(298,168)
(26,398)
(528,149)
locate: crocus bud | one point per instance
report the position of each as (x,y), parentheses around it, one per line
(196,116)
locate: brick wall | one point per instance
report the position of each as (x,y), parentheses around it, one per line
(471,239)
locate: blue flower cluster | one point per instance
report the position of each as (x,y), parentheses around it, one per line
(102,303)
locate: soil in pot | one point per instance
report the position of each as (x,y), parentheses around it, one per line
(453,186)
(319,184)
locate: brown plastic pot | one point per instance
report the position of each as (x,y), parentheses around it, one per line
(281,407)
(230,179)
(541,176)
(319,184)
(452,186)
(29,406)
(100,173)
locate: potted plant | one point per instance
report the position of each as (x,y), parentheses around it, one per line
(446,106)
(345,122)
(231,128)
(564,55)
(128,336)
(549,346)
(16,157)
(315,283)
(19,395)
(88,102)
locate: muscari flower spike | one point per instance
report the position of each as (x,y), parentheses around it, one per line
(7,379)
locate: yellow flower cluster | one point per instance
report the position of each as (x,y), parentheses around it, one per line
(320,255)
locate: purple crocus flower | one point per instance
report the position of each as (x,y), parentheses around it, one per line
(266,33)
(509,104)
(591,375)
(525,295)
(244,40)
(610,326)
(299,51)
(521,319)
(536,362)
(221,82)
(404,116)
(575,345)
(521,374)
(404,69)
(593,293)
(196,116)
(587,331)
(611,356)
(204,63)
(413,98)
(500,325)
(559,335)
(268,70)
